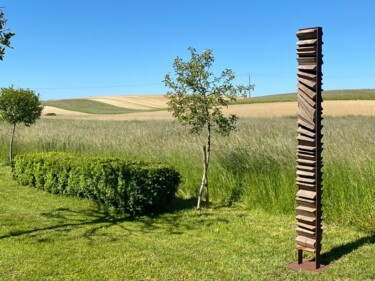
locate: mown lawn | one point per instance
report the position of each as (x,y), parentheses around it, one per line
(49,237)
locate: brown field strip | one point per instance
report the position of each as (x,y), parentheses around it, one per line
(330,108)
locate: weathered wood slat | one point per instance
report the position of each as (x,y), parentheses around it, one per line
(307,42)
(306,138)
(306,233)
(306,161)
(305,242)
(310,227)
(306,60)
(307,108)
(306,48)
(304,213)
(305,167)
(306,99)
(305,185)
(308,33)
(306,125)
(306,219)
(306,147)
(306,194)
(306,203)
(311,250)
(306,104)
(306,53)
(305,173)
(306,132)
(307,91)
(301,113)
(303,156)
(306,154)
(307,82)
(307,180)
(306,209)
(308,67)
(306,75)
(301,200)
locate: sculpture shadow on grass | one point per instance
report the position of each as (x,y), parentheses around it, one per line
(338,252)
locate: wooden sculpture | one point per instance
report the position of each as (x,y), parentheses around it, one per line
(309,148)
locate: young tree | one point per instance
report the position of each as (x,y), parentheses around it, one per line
(19,106)
(197,98)
(5,35)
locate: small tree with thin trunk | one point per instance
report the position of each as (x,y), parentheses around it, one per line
(197,98)
(5,35)
(19,106)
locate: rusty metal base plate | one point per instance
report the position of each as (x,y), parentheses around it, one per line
(308,266)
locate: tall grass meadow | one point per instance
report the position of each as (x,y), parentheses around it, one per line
(253,167)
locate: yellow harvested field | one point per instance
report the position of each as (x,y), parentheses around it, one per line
(330,108)
(62,112)
(134,102)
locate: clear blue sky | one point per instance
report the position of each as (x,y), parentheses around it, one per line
(80,48)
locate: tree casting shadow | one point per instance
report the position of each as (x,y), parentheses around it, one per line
(65,220)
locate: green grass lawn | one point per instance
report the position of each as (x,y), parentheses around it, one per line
(360,94)
(90,106)
(49,237)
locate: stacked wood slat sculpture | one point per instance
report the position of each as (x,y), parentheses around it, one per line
(309,160)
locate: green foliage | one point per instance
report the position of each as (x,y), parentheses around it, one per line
(19,106)
(197,98)
(51,114)
(5,35)
(197,95)
(133,187)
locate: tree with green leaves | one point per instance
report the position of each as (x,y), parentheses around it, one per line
(19,106)
(197,98)
(5,35)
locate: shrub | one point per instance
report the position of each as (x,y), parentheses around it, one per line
(51,114)
(133,187)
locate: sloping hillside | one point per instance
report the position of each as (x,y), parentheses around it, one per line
(339,102)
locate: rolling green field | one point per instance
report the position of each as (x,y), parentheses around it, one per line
(362,94)
(90,106)
(96,107)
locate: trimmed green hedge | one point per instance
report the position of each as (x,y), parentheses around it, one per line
(133,187)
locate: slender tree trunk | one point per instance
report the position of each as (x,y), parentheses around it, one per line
(206,161)
(11,143)
(204,177)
